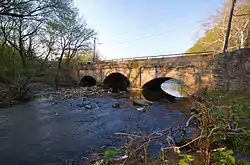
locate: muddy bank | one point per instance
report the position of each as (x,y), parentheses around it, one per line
(11,95)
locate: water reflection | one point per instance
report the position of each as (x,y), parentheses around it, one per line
(40,132)
(157,95)
(175,88)
(162,90)
(152,95)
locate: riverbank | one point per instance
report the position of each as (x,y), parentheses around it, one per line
(10,97)
(221,136)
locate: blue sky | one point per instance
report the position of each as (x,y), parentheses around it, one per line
(131,28)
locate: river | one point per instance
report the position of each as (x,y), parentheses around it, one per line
(45,132)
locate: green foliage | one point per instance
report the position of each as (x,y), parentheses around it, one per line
(230,103)
(240,143)
(207,43)
(31,32)
(242,162)
(87,56)
(231,109)
(11,64)
(221,156)
(35,30)
(186,159)
(213,39)
(107,160)
(217,116)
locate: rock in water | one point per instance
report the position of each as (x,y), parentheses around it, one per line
(140,102)
(88,106)
(141,109)
(116,105)
(80,105)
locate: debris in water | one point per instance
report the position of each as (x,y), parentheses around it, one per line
(141,109)
(88,106)
(99,162)
(122,158)
(140,102)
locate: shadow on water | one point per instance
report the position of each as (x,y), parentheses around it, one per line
(152,90)
(157,95)
(151,95)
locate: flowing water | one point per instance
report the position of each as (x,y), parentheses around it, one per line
(45,132)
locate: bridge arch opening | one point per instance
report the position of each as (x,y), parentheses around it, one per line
(117,82)
(87,81)
(152,90)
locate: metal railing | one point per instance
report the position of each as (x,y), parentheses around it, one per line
(159,56)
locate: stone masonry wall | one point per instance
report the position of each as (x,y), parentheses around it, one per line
(232,70)
(222,71)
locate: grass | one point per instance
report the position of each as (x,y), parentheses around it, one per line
(235,107)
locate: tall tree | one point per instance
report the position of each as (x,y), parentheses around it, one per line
(32,30)
(28,8)
(22,21)
(216,27)
(72,35)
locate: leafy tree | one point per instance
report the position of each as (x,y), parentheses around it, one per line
(87,56)
(32,31)
(71,35)
(216,26)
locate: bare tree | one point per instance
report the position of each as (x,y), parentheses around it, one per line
(28,8)
(72,35)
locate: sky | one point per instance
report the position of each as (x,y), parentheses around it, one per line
(135,28)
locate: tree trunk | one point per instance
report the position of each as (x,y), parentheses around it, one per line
(229,27)
(58,68)
(67,61)
(23,62)
(46,58)
(21,47)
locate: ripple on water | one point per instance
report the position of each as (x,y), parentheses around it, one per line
(40,132)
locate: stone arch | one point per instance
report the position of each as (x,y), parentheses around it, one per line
(155,83)
(87,81)
(117,82)
(152,91)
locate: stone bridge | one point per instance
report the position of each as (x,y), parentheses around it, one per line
(203,70)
